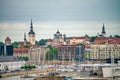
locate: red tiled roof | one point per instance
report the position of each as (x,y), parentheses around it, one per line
(7,39)
(100,40)
(20,50)
(49,40)
(114,41)
(76,37)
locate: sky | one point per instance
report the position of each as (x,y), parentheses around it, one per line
(70,17)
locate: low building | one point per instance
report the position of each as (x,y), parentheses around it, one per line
(71,52)
(6,50)
(77,40)
(37,55)
(10,63)
(104,51)
(21,52)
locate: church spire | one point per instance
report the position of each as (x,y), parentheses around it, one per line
(103,29)
(31,28)
(25,37)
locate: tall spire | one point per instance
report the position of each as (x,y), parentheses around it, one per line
(31,22)
(103,29)
(31,28)
(25,37)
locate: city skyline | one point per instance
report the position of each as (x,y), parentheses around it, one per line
(70,17)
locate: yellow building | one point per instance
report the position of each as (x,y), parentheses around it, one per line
(77,40)
(31,35)
(104,51)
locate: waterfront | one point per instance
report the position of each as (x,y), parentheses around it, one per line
(15,78)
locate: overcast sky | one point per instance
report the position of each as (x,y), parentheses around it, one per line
(72,17)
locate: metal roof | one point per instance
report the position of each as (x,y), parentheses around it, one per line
(9,59)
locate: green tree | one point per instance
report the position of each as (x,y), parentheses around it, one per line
(23,57)
(92,38)
(52,54)
(86,36)
(15,44)
(41,42)
(28,67)
(117,36)
(1,43)
(26,46)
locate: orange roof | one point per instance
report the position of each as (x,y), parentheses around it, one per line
(114,41)
(20,50)
(100,40)
(49,40)
(7,39)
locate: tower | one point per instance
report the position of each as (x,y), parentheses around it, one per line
(31,35)
(7,41)
(25,40)
(103,31)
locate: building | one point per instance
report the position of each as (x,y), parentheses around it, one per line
(37,55)
(7,49)
(101,40)
(108,40)
(22,49)
(21,52)
(71,52)
(104,51)
(10,63)
(7,41)
(25,43)
(57,40)
(31,35)
(77,40)
(49,42)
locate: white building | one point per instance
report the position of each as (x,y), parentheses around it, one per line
(37,55)
(10,63)
(104,51)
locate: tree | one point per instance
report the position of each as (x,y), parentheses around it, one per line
(26,46)
(28,67)
(41,42)
(52,54)
(92,38)
(23,57)
(1,43)
(15,44)
(117,36)
(86,36)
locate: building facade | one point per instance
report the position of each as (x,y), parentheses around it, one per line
(20,52)
(7,41)
(70,52)
(104,51)
(10,63)
(37,55)
(31,35)
(7,49)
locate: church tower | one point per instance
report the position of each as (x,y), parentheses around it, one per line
(31,35)
(103,31)
(25,40)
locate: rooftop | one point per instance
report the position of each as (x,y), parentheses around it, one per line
(9,59)
(7,39)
